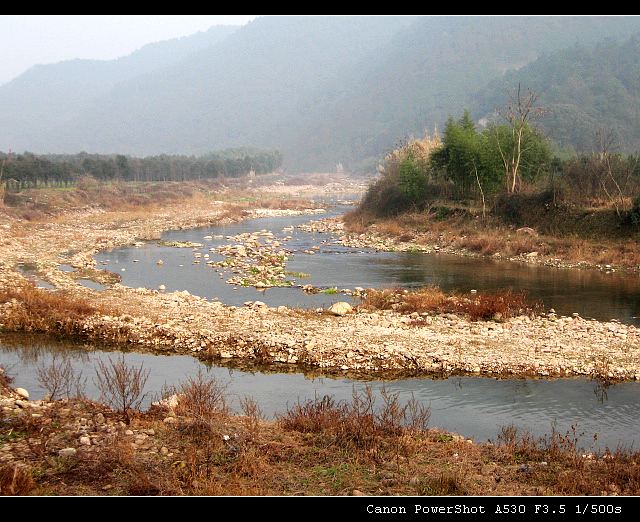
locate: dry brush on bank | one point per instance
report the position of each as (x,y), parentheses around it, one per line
(321,447)
(500,305)
(31,309)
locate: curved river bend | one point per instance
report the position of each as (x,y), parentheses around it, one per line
(473,406)
(590,293)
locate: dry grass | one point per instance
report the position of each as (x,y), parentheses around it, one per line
(589,242)
(358,426)
(32,309)
(15,479)
(477,307)
(568,469)
(321,447)
(42,203)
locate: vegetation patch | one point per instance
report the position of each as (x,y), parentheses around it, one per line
(31,309)
(431,300)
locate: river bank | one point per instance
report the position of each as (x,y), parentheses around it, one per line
(188,446)
(359,343)
(420,233)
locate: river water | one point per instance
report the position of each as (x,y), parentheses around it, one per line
(476,407)
(590,293)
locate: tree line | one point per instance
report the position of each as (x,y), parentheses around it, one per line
(506,157)
(30,170)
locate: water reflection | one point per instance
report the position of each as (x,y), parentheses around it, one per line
(590,293)
(476,407)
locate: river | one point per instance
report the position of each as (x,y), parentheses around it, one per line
(473,406)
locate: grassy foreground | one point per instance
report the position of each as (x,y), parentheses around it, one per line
(191,444)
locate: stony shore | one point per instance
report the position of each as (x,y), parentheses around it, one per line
(374,240)
(364,343)
(190,444)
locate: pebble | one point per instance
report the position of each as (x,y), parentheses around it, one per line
(22,392)
(85,441)
(340,308)
(67,452)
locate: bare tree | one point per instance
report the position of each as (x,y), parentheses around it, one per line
(606,143)
(121,386)
(60,379)
(519,113)
(2,185)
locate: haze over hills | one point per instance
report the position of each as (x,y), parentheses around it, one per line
(583,89)
(322,90)
(47,96)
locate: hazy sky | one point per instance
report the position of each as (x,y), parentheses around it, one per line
(26,40)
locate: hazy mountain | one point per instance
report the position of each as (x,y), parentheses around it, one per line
(583,89)
(432,70)
(48,96)
(246,90)
(321,89)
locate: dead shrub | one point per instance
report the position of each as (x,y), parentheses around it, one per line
(5,378)
(358,425)
(15,479)
(201,400)
(40,310)
(60,379)
(253,415)
(121,386)
(499,305)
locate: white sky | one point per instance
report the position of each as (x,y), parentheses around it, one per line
(26,40)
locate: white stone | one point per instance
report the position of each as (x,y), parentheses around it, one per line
(22,392)
(85,441)
(67,452)
(340,308)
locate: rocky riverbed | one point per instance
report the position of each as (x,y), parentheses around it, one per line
(191,444)
(374,240)
(358,342)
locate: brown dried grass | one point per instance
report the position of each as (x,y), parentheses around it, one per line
(499,305)
(15,479)
(38,310)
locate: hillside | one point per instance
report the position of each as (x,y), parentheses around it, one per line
(48,96)
(584,89)
(249,90)
(322,90)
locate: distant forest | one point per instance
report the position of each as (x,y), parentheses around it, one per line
(584,89)
(28,170)
(326,90)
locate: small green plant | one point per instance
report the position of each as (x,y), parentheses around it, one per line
(329,291)
(298,275)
